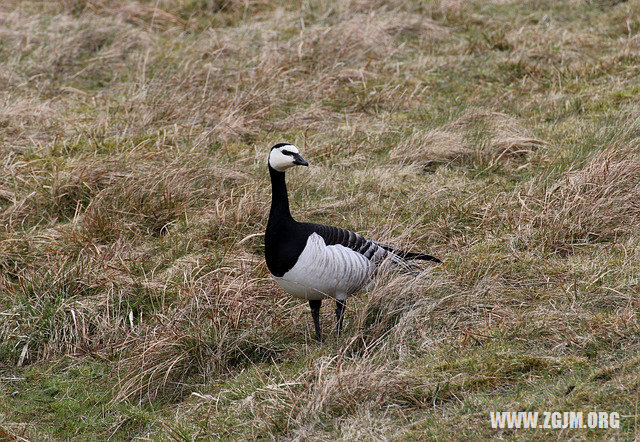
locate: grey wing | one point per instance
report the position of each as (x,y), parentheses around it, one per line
(371,250)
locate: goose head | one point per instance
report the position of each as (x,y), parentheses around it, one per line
(284,155)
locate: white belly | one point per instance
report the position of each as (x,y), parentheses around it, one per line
(326,271)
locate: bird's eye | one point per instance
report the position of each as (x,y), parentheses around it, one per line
(287,152)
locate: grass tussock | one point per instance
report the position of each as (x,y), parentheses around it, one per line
(598,203)
(213,332)
(134,298)
(477,136)
(398,310)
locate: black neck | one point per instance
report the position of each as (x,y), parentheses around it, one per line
(283,239)
(280,199)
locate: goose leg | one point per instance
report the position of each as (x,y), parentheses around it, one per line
(315,313)
(340,304)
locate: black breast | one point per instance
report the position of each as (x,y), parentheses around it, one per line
(283,245)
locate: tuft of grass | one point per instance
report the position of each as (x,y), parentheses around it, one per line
(595,204)
(477,136)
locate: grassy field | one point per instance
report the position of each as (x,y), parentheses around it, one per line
(500,136)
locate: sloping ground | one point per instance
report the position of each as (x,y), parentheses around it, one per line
(502,137)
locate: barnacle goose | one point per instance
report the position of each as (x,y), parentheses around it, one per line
(313,261)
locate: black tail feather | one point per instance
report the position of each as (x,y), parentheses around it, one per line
(420,256)
(411,255)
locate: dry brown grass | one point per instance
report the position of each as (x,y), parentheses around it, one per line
(221,323)
(598,203)
(594,204)
(489,137)
(133,195)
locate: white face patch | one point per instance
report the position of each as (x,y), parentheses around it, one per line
(280,161)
